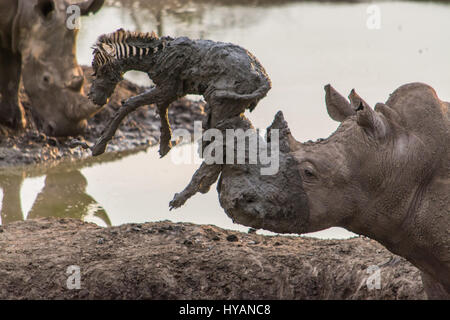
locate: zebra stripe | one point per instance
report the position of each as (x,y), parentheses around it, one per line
(124,50)
(127,50)
(120,36)
(101,58)
(116,47)
(119,51)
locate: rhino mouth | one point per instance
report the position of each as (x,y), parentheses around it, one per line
(254,215)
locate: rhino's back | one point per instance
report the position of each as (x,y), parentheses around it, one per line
(421,110)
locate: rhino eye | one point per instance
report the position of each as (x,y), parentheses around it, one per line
(308,173)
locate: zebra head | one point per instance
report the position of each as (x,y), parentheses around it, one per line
(110,53)
(122,45)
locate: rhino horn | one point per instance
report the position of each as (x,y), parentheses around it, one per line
(337,106)
(81,108)
(287,142)
(370,120)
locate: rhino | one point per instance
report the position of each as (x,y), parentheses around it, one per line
(63,195)
(384,173)
(37,46)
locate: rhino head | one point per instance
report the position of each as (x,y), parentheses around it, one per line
(373,174)
(384,173)
(374,162)
(51,75)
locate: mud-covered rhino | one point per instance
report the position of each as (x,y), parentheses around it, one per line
(37,45)
(384,173)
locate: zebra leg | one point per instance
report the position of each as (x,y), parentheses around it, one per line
(222,114)
(201,181)
(154,95)
(207,174)
(165,143)
(225,108)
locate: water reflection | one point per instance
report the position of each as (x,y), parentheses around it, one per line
(64,193)
(187,11)
(63,196)
(11,204)
(163,15)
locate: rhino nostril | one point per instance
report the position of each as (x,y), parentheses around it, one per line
(45,8)
(47,80)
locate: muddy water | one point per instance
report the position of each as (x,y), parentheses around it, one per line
(303,47)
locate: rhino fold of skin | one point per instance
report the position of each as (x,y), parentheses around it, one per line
(37,47)
(384,173)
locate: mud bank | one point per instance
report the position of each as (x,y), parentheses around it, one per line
(139,130)
(167,260)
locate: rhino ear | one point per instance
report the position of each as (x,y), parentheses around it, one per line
(337,106)
(90,6)
(390,114)
(370,120)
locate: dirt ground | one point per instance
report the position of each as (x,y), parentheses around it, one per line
(139,130)
(166,260)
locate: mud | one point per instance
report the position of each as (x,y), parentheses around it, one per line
(165,260)
(138,131)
